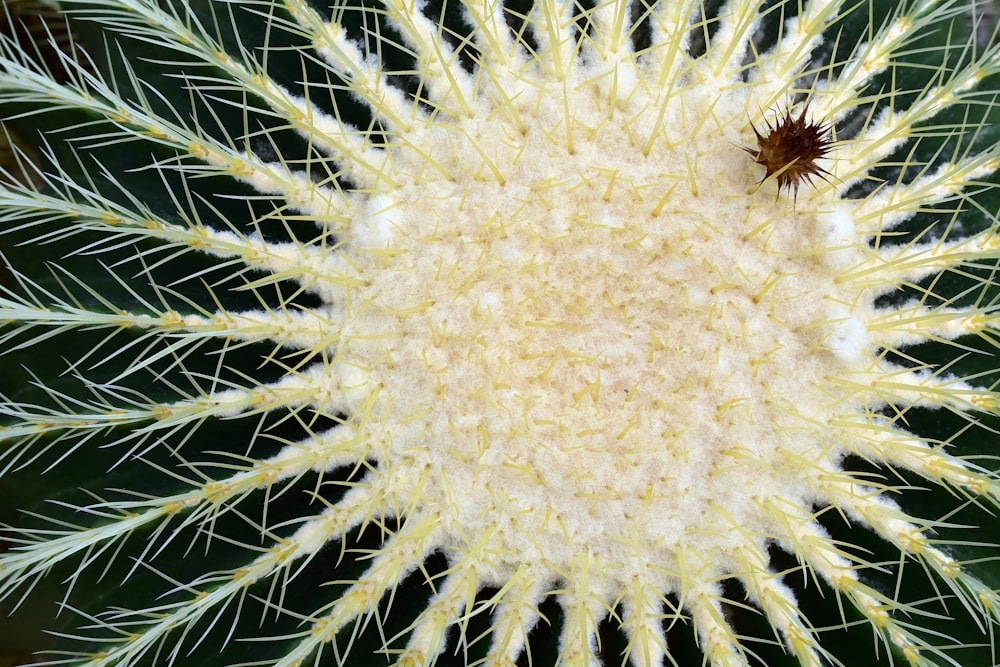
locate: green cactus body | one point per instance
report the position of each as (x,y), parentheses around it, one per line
(503,333)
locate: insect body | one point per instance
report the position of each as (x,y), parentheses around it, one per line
(790,148)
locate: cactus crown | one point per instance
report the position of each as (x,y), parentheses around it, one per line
(487,306)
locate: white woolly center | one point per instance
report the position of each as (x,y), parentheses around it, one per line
(605,348)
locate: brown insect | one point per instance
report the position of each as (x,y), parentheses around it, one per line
(790,148)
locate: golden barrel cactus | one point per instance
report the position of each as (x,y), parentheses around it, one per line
(495,333)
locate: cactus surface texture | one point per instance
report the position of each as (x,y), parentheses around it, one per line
(485,332)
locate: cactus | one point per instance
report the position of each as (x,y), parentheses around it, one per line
(650,332)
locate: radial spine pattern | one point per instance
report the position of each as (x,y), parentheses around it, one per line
(499,283)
